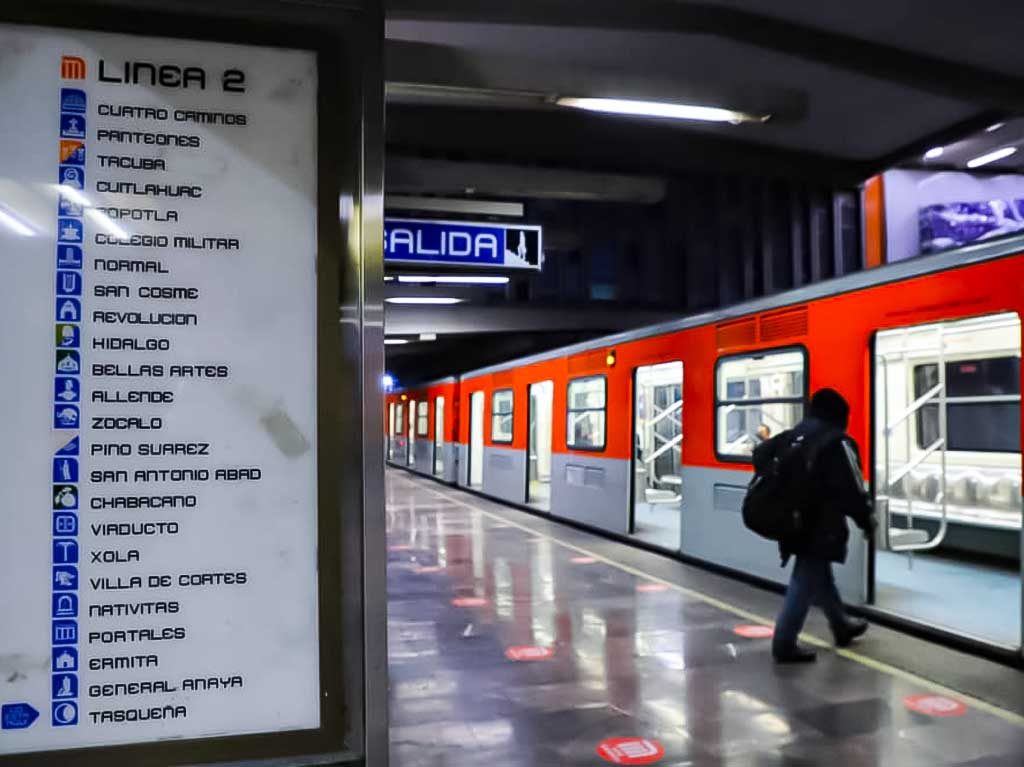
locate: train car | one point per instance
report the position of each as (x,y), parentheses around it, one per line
(420,428)
(647,435)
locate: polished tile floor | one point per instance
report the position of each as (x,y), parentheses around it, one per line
(510,646)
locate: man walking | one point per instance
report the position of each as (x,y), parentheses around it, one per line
(838,490)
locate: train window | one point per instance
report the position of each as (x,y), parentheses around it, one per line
(757,396)
(585,428)
(982,405)
(422,418)
(501,415)
(399,417)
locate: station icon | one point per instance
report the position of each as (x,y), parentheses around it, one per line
(68,207)
(72,126)
(65,686)
(69,230)
(65,606)
(65,632)
(72,176)
(65,551)
(68,362)
(65,523)
(69,310)
(65,714)
(69,283)
(65,578)
(69,256)
(65,417)
(70,448)
(64,659)
(67,335)
(72,152)
(66,389)
(65,497)
(65,469)
(72,100)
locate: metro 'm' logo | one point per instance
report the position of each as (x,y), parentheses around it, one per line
(72,68)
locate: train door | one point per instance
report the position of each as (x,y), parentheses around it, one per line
(656,496)
(476,439)
(391,431)
(947,476)
(538,458)
(410,442)
(438,436)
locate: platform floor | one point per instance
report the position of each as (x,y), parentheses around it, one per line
(515,640)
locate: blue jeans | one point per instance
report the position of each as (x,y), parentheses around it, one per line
(810,583)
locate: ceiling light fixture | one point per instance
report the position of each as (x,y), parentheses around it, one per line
(985,159)
(662,109)
(453,279)
(395,341)
(428,336)
(933,153)
(424,300)
(994,127)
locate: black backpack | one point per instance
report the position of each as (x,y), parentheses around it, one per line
(782,498)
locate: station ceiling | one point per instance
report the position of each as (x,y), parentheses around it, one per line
(851,89)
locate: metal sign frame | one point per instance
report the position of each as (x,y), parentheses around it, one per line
(348,42)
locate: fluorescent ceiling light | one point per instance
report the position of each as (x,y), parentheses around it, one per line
(424,300)
(933,153)
(994,127)
(428,336)
(454,279)
(661,109)
(395,341)
(11,220)
(985,159)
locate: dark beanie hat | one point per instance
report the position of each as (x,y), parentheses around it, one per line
(828,405)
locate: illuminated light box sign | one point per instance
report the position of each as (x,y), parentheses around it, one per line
(462,243)
(158,534)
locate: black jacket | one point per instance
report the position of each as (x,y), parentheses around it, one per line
(840,493)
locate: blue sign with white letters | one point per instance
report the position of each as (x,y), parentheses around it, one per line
(463,243)
(17,716)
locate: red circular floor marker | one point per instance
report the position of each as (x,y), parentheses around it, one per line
(583,560)
(935,705)
(529,652)
(630,750)
(753,631)
(650,588)
(469,602)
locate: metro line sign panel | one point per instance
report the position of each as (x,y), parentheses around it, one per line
(462,243)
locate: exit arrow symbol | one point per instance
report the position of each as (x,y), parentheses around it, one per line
(17,716)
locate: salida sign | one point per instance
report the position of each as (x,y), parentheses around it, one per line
(463,243)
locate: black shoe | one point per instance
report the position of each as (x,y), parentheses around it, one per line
(795,654)
(854,628)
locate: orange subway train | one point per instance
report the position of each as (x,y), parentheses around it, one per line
(647,435)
